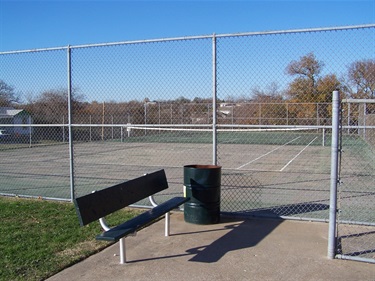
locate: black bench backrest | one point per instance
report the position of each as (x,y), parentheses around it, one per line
(101,203)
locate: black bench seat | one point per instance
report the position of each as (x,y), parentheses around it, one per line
(132,225)
(97,205)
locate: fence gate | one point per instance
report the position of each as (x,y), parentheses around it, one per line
(356,191)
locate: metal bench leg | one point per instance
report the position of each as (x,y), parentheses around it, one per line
(167,223)
(122,251)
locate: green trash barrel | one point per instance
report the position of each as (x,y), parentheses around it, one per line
(202,184)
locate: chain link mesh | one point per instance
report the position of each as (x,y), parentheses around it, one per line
(34,148)
(356,219)
(136,88)
(141,106)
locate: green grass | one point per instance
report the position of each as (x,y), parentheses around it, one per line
(40,238)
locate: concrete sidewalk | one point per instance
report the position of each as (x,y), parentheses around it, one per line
(235,249)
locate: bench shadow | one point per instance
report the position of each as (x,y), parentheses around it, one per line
(249,233)
(243,232)
(243,235)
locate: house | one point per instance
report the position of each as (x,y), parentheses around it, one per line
(16,117)
(226,109)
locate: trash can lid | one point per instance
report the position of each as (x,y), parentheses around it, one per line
(199,166)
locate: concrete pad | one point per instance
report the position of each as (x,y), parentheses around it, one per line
(235,249)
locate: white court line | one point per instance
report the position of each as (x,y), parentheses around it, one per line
(298,154)
(266,153)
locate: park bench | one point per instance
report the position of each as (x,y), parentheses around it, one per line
(97,205)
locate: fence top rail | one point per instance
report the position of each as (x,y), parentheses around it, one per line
(34,50)
(211,36)
(320,29)
(358,101)
(181,126)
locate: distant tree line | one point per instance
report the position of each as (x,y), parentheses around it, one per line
(308,86)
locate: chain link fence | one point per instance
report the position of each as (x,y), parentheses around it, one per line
(80,118)
(356,192)
(34,148)
(137,89)
(288,170)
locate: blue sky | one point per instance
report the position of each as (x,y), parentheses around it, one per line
(42,24)
(179,68)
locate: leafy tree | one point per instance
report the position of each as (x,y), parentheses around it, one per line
(312,88)
(325,86)
(182,99)
(202,100)
(361,75)
(309,86)
(7,95)
(307,67)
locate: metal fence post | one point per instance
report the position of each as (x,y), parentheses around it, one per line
(71,154)
(334,175)
(30,133)
(63,129)
(214,97)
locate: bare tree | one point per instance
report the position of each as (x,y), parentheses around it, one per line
(52,106)
(272,93)
(7,94)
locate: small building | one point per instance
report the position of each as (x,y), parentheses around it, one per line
(16,117)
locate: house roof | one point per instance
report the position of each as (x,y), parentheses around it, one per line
(9,112)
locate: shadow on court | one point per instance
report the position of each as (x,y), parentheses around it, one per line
(243,235)
(234,249)
(247,233)
(287,210)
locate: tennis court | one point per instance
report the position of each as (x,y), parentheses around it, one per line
(267,172)
(261,168)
